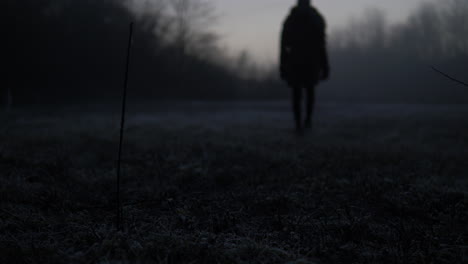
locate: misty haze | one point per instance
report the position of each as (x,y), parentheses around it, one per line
(132,134)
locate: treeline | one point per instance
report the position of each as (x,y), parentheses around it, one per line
(73,51)
(374,61)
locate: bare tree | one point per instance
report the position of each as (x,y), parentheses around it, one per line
(454,16)
(244,65)
(191,25)
(151,16)
(424,31)
(183,24)
(435,30)
(370,32)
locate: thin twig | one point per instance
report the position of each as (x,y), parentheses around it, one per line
(449,77)
(122,124)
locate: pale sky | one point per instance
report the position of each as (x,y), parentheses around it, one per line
(255,25)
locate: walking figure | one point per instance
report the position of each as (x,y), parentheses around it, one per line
(303,58)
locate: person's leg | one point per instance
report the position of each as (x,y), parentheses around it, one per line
(297,106)
(310,105)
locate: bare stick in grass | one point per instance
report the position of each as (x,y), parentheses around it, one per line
(122,124)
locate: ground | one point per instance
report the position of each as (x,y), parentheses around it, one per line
(232,183)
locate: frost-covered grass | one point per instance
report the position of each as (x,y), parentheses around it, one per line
(232,184)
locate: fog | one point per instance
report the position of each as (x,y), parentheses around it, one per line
(73,51)
(206,163)
(374,60)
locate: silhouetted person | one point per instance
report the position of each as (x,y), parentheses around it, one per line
(304,59)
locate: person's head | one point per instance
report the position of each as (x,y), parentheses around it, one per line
(303,3)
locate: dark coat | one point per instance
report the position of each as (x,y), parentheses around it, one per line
(304,59)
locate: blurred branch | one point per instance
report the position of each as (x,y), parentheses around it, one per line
(449,77)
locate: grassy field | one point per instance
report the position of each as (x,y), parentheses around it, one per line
(231,183)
